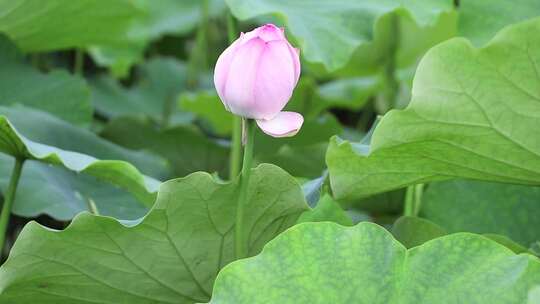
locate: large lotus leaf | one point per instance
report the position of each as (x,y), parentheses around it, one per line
(330,32)
(328,263)
(154,94)
(116,172)
(172,256)
(471,115)
(510,210)
(479,20)
(61,194)
(56,92)
(46,129)
(36,25)
(185,147)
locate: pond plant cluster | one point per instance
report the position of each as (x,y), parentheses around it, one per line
(257,151)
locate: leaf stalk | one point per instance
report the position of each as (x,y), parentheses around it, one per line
(413,200)
(9,199)
(241,250)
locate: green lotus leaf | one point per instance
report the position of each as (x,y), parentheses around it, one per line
(62,194)
(328,263)
(480,20)
(60,24)
(471,115)
(171,256)
(329,33)
(118,173)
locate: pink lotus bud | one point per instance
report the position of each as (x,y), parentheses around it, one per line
(255,78)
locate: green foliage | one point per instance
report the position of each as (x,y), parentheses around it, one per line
(62,194)
(327,263)
(481,20)
(170,256)
(62,191)
(398,42)
(154,95)
(413,231)
(46,129)
(342,27)
(119,173)
(326,210)
(207,106)
(185,147)
(159,18)
(397,108)
(510,210)
(470,116)
(116,32)
(59,24)
(303,154)
(349,93)
(534,295)
(505,241)
(56,92)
